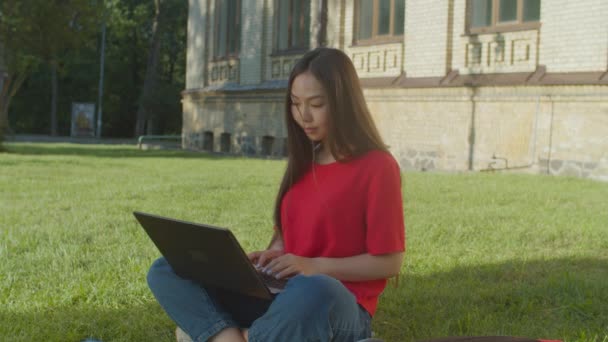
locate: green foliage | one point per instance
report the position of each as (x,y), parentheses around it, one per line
(45,29)
(488,254)
(40,32)
(128,36)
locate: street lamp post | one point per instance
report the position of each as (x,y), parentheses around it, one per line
(101,69)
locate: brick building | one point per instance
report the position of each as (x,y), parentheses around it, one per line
(452,84)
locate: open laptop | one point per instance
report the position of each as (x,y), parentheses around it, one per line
(209,255)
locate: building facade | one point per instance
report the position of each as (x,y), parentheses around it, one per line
(452,84)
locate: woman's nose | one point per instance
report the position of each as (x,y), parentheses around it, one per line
(306,114)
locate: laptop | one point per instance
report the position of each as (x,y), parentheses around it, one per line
(209,255)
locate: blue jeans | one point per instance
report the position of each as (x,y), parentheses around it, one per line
(311,308)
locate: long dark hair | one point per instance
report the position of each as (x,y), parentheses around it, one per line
(351,129)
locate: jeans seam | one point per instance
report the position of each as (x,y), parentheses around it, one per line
(213,330)
(255,337)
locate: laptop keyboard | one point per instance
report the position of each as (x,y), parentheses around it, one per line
(273,282)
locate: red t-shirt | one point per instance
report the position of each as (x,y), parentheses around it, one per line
(345,209)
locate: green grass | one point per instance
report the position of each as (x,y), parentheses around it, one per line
(488,254)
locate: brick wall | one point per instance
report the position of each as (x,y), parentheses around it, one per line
(269,38)
(551,129)
(574,35)
(426,38)
(252,50)
(196,44)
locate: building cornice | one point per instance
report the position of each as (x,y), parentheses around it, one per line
(454,79)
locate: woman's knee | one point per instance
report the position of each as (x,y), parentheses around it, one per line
(305,307)
(157,271)
(319,284)
(316,291)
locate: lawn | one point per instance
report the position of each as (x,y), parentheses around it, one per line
(488,254)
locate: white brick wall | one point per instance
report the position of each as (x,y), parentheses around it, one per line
(458,31)
(196,44)
(314,22)
(334,18)
(268,39)
(425,37)
(557,129)
(574,35)
(251,41)
(349,14)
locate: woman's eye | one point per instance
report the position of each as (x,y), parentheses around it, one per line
(317,105)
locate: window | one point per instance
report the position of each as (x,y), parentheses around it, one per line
(208,141)
(486,16)
(267,143)
(225,143)
(292,25)
(379,20)
(227,28)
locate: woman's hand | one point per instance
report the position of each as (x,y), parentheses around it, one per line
(288,265)
(260,258)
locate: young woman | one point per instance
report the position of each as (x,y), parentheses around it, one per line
(339,231)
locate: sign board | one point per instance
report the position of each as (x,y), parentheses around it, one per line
(83,119)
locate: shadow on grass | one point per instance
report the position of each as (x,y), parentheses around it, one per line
(80,321)
(553,299)
(105,151)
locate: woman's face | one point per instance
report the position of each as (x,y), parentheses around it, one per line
(309,106)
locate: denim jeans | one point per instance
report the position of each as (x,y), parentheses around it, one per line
(311,308)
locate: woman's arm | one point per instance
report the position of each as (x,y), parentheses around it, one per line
(356,268)
(276,242)
(361,267)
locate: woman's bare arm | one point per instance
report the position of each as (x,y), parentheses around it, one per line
(361,267)
(356,268)
(276,242)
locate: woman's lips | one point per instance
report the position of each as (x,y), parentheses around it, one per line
(310,130)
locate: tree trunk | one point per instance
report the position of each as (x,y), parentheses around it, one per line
(3,108)
(143,110)
(10,86)
(54,95)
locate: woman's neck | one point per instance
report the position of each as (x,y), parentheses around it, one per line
(324,156)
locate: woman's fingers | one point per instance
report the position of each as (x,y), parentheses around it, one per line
(287,272)
(283,265)
(270,267)
(278,266)
(253,256)
(267,256)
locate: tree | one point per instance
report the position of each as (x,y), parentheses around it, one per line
(143,111)
(129,37)
(17,62)
(34,32)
